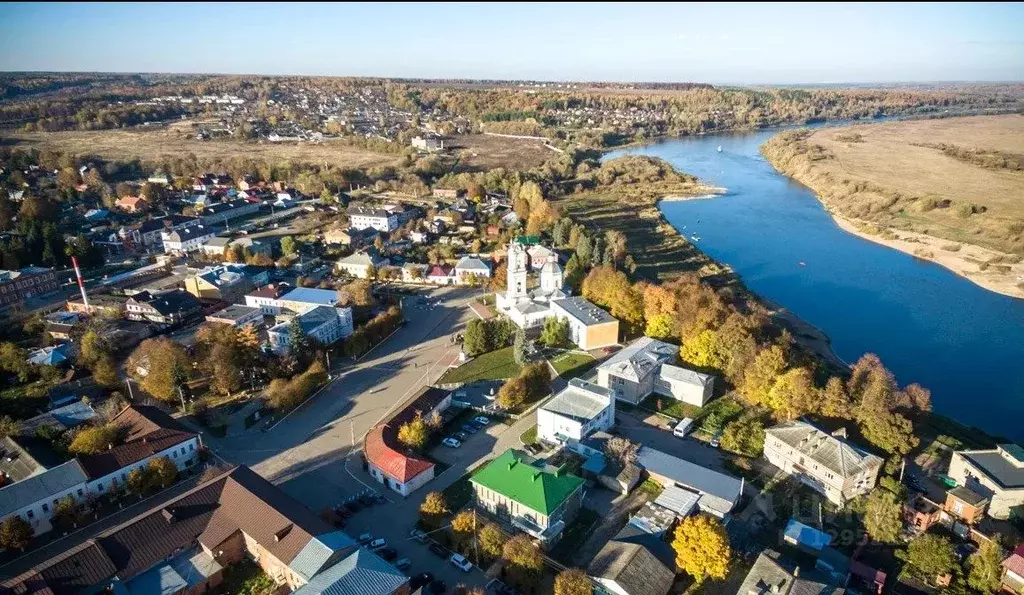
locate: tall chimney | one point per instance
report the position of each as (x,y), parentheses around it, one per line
(81,285)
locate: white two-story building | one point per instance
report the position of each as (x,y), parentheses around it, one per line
(579,410)
(361,217)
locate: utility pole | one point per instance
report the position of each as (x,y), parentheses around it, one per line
(131,396)
(476,550)
(902,469)
(181,396)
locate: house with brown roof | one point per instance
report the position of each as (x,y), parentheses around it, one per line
(1013,571)
(131,204)
(149,433)
(183,544)
(390,463)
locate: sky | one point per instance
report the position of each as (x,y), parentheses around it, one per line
(714,43)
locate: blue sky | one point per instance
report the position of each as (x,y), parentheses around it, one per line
(717,43)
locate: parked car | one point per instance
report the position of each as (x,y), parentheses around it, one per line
(365,538)
(460,562)
(481,420)
(437,587)
(418,535)
(438,549)
(403,564)
(378,544)
(451,442)
(715,441)
(460,436)
(469,428)
(388,553)
(683,428)
(420,580)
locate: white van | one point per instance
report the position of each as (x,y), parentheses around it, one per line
(683,428)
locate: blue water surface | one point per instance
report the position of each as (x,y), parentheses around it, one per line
(930,326)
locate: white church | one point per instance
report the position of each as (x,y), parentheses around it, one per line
(590,327)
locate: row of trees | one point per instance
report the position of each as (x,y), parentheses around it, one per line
(482,336)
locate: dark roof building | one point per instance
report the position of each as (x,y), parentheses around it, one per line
(179,543)
(149,432)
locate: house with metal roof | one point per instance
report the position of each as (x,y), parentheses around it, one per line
(632,371)
(590,327)
(182,542)
(186,239)
(304,299)
(325,324)
(996,474)
(362,572)
(646,367)
(536,498)
(469,269)
(33,497)
(389,461)
(630,569)
(165,307)
(829,464)
(363,217)
(772,574)
(361,264)
(719,493)
(227,282)
(236,316)
(577,411)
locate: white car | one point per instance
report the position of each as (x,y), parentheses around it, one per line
(481,420)
(451,442)
(378,543)
(461,563)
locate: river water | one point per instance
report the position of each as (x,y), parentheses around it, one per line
(962,342)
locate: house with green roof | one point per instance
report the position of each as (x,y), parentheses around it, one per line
(532,496)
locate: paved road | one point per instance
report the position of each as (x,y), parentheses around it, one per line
(313,453)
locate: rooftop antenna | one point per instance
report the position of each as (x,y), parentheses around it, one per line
(81,285)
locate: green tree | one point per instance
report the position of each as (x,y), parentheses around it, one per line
(793,394)
(575,272)
(702,350)
(474,340)
(931,556)
(299,343)
(984,567)
(165,364)
(164,471)
(15,533)
(523,560)
(94,440)
(14,360)
(573,581)
(702,548)
(433,509)
(744,436)
(140,481)
(288,245)
(414,433)
(67,513)
(104,372)
(883,515)
(491,540)
(760,378)
(555,332)
(8,427)
(519,347)
(834,400)
(513,393)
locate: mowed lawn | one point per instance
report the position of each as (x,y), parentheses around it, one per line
(495,365)
(572,364)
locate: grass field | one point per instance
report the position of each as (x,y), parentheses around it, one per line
(482,152)
(153,145)
(495,365)
(957,181)
(571,364)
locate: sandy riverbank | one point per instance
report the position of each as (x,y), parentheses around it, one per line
(966,260)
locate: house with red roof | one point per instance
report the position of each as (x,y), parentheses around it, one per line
(149,433)
(1013,571)
(441,274)
(399,468)
(131,204)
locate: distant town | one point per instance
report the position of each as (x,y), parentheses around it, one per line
(236,372)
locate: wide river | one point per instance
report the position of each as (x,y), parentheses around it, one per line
(927,324)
